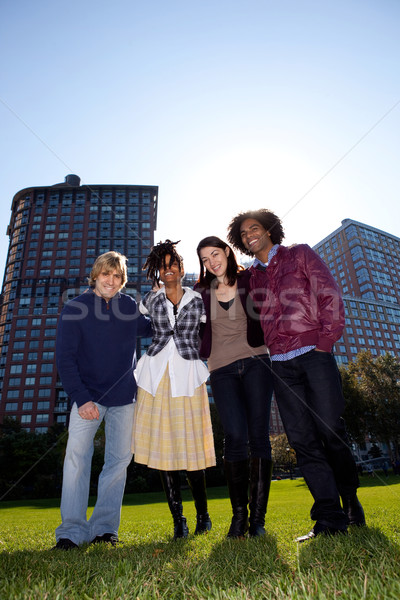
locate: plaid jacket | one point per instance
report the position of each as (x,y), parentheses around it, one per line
(186,330)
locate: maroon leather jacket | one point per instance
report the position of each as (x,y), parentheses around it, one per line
(298,300)
(255,335)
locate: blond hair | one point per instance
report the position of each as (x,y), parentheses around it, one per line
(109,261)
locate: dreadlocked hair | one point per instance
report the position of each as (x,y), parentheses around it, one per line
(156,259)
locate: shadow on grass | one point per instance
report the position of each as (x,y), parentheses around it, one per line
(213,493)
(378,480)
(129,499)
(362,547)
(170,568)
(243,562)
(197,567)
(220,492)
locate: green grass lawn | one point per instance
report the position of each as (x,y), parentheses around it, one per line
(148,564)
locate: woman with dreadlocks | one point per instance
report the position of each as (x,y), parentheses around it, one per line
(172,426)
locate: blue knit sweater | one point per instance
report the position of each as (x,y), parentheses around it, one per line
(96,348)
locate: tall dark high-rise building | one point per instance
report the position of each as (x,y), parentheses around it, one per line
(56,232)
(365,262)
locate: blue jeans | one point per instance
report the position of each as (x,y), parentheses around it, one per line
(242,393)
(308,392)
(76,478)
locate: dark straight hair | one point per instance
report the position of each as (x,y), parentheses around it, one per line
(206,278)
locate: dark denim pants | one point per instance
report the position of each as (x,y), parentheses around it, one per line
(308,391)
(242,393)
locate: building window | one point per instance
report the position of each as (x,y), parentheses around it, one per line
(11,406)
(20,333)
(49,343)
(43,405)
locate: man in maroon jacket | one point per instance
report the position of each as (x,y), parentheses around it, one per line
(302,316)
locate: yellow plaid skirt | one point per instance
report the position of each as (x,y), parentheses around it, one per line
(173,434)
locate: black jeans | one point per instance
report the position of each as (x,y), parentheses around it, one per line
(242,393)
(308,391)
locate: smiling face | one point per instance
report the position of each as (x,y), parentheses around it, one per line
(215,260)
(256,238)
(171,273)
(107,284)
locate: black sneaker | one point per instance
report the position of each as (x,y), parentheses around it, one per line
(65,544)
(106,538)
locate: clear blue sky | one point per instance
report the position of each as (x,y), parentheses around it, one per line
(226,105)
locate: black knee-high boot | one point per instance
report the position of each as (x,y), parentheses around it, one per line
(260,483)
(197,484)
(171,481)
(237,476)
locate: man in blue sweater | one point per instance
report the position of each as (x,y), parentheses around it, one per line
(95,349)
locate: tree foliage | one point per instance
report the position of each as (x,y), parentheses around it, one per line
(283,455)
(356,406)
(372,391)
(31,464)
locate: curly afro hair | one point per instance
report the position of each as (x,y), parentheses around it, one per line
(265,217)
